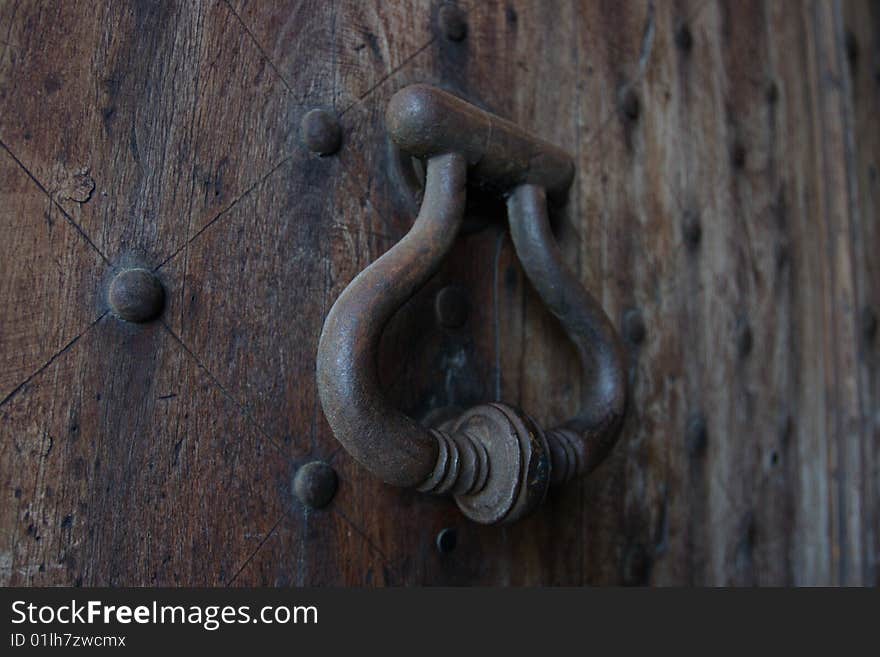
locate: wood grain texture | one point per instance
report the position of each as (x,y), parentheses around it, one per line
(726,191)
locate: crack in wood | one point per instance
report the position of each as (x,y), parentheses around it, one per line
(54,202)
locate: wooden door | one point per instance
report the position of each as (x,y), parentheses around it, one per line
(724,212)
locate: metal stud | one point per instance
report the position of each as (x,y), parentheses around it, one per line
(315,484)
(684,39)
(321,132)
(696,434)
(630,104)
(738,154)
(744,338)
(772,93)
(446,540)
(869,324)
(634,326)
(852,48)
(636,566)
(453,22)
(692,230)
(136,295)
(451,307)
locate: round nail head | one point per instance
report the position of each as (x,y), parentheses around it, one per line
(315,484)
(738,155)
(636,566)
(447,540)
(692,230)
(869,324)
(631,105)
(321,132)
(684,39)
(136,295)
(744,339)
(696,434)
(453,23)
(634,326)
(451,307)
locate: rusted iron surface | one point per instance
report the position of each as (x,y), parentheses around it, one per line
(315,484)
(425,121)
(136,295)
(384,440)
(580,444)
(452,22)
(494,459)
(321,132)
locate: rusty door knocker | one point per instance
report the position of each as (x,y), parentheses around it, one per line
(494,459)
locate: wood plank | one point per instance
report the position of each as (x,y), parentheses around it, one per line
(334,54)
(48,277)
(100,116)
(861,22)
(108,484)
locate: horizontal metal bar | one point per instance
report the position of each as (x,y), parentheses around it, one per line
(424,121)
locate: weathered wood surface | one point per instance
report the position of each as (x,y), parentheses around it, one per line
(727,192)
